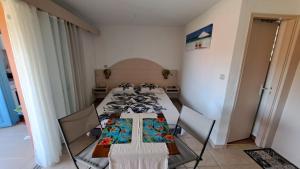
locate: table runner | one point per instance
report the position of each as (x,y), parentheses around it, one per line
(156,131)
(138,155)
(117,131)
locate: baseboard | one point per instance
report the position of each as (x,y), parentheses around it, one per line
(216,146)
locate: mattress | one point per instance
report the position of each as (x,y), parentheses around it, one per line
(151,101)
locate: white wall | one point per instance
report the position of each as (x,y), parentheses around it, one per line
(162,45)
(202,88)
(287,136)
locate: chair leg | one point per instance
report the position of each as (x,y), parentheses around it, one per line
(75,164)
(196,164)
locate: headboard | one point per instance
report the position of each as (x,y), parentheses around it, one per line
(135,71)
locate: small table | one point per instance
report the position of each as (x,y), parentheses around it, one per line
(100,92)
(137,154)
(172,91)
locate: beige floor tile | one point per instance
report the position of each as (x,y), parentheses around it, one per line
(14,164)
(242,146)
(231,157)
(208,160)
(251,166)
(215,167)
(181,167)
(15,152)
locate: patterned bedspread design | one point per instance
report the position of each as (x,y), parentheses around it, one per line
(136,102)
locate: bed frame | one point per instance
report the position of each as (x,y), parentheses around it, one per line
(135,71)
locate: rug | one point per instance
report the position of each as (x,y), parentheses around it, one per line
(267,158)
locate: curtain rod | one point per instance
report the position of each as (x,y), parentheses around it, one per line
(58,11)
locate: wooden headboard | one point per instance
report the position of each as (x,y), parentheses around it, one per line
(135,71)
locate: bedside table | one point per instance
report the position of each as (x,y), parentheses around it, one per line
(172,91)
(100,92)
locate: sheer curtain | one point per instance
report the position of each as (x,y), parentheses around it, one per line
(48,57)
(54,37)
(78,62)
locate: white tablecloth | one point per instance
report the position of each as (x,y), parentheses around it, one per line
(138,155)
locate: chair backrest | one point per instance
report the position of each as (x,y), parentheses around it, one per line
(75,128)
(196,124)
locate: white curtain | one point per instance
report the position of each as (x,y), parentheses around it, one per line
(54,36)
(47,53)
(78,62)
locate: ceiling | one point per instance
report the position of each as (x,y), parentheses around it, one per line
(137,12)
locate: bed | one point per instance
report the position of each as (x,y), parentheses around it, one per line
(139,101)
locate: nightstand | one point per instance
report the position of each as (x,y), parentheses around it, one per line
(99,94)
(172,91)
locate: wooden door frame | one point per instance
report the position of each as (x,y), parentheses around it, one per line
(272,118)
(11,61)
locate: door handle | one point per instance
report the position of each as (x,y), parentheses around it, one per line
(262,88)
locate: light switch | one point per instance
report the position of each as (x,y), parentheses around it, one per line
(222,77)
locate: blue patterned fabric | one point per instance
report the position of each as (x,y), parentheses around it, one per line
(156,131)
(117,131)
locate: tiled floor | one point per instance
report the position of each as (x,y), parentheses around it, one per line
(231,157)
(15,152)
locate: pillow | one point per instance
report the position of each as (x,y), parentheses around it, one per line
(157,90)
(150,88)
(149,85)
(124,87)
(123,90)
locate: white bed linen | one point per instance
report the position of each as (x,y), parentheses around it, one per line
(171,113)
(138,155)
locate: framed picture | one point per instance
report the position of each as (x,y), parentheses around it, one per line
(199,39)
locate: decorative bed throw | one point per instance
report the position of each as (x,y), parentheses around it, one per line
(136,102)
(117,131)
(156,131)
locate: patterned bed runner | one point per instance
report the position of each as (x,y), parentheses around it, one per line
(117,131)
(156,131)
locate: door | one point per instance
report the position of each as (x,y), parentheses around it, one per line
(266,118)
(254,74)
(8,116)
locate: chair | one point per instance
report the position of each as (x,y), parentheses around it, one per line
(199,127)
(75,129)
